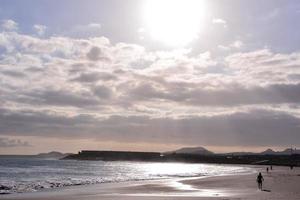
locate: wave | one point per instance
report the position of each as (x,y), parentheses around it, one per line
(42,175)
(10,188)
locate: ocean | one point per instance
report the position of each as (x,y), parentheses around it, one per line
(19,174)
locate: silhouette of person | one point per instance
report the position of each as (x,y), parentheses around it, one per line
(271,167)
(259,180)
(267,169)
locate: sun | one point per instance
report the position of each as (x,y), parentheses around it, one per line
(174,22)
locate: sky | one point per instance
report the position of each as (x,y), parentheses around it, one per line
(149,75)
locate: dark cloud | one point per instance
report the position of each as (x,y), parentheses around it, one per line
(34,69)
(42,123)
(96,54)
(6,143)
(12,73)
(231,95)
(94,77)
(102,92)
(60,98)
(294,77)
(255,127)
(271,94)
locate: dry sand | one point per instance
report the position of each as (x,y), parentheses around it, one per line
(280,183)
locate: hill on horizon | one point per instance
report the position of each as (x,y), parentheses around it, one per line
(52,155)
(192,150)
(287,151)
(204,151)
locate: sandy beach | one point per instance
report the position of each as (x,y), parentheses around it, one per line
(280,183)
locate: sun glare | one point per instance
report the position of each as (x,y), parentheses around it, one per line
(174,22)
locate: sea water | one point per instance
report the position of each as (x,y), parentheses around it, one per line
(29,175)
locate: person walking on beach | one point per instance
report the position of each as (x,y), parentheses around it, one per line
(259,180)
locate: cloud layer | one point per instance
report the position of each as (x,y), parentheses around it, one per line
(9,143)
(252,128)
(64,86)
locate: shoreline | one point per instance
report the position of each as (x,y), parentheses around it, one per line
(280,183)
(181,171)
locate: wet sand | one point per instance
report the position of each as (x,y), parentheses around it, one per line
(280,183)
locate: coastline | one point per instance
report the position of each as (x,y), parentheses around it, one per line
(280,183)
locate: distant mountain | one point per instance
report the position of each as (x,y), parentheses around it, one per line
(291,151)
(203,151)
(192,150)
(268,152)
(52,155)
(287,151)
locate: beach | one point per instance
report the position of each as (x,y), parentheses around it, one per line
(149,99)
(280,183)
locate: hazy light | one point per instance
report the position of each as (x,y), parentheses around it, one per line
(174,22)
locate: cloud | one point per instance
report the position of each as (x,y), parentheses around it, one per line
(230,95)
(271,128)
(237,44)
(95,76)
(59,98)
(82,73)
(9,25)
(224,48)
(102,92)
(234,96)
(85,31)
(97,54)
(63,86)
(9,143)
(13,73)
(262,65)
(40,29)
(220,21)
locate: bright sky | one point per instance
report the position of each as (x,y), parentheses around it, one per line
(149,75)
